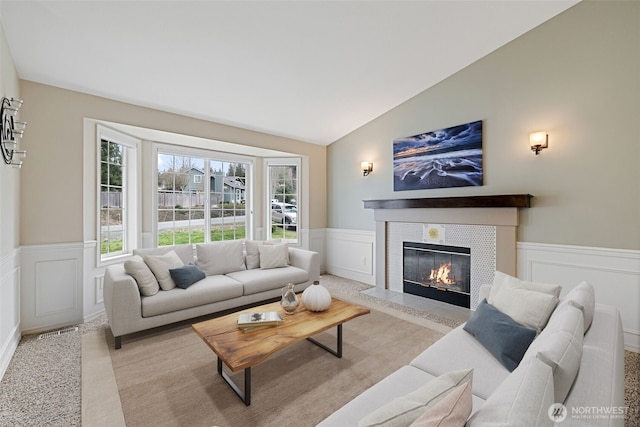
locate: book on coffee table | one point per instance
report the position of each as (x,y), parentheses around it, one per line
(262,318)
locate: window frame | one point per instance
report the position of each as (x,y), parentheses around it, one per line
(208,156)
(300,218)
(131,189)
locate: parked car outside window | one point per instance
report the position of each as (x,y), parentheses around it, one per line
(284,214)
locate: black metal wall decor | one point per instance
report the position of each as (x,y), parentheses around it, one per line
(11,130)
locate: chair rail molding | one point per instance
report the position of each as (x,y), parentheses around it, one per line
(614,274)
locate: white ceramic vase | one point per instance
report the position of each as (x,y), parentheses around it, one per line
(316,297)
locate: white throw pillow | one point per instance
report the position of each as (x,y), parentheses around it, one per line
(522,399)
(273,256)
(160,266)
(253,253)
(147,282)
(529,308)
(501,279)
(404,410)
(220,257)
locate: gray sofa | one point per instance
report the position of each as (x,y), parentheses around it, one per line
(234,277)
(563,364)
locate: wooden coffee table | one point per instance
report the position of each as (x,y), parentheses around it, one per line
(241,349)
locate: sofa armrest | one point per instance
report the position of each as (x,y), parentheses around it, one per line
(306,260)
(122,300)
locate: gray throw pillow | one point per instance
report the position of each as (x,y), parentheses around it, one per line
(186,275)
(505,339)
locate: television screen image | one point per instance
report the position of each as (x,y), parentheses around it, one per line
(450,157)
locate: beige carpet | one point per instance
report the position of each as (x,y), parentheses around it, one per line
(170,378)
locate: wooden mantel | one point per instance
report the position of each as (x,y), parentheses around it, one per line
(499,201)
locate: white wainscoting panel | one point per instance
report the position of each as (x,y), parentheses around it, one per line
(350,254)
(9,308)
(614,274)
(51,286)
(317,239)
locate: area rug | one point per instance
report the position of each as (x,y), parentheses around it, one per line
(170,378)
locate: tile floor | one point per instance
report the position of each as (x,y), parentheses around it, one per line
(443,309)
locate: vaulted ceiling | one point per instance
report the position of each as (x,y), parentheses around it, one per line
(309,70)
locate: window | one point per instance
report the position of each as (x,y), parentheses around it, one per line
(200,199)
(117,193)
(282,183)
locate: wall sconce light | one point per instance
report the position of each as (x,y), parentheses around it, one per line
(11,130)
(538,141)
(367,168)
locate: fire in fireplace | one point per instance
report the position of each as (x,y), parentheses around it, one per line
(438,272)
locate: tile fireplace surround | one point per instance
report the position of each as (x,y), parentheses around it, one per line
(486,224)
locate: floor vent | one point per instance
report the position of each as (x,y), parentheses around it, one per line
(58,333)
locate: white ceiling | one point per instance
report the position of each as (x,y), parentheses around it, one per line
(309,70)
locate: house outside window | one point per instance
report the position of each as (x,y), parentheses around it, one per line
(200,199)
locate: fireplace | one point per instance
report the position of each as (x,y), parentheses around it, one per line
(438,272)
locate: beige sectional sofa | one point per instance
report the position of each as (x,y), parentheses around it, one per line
(583,371)
(141,293)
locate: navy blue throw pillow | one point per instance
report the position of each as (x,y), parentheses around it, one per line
(186,275)
(505,339)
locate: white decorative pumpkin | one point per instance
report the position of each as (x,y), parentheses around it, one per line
(316,297)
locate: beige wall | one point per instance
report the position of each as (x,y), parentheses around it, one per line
(576,76)
(52,203)
(9,176)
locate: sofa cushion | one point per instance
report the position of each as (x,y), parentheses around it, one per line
(160,266)
(523,399)
(252,259)
(206,291)
(567,317)
(561,346)
(186,275)
(452,351)
(529,308)
(220,257)
(185,252)
(452,410)
(500,334)
(139,270)
(274,256)
(585,296)
(255,281)
(406,409)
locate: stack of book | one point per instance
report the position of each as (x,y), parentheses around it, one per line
(253,320)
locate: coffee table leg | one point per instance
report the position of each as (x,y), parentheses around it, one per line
(246,396)
(338,352)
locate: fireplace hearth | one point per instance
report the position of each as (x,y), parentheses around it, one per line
(438,272)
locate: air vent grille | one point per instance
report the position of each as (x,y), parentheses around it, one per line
(57,333)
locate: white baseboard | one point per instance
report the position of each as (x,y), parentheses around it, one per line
(7,350)
(614,274)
